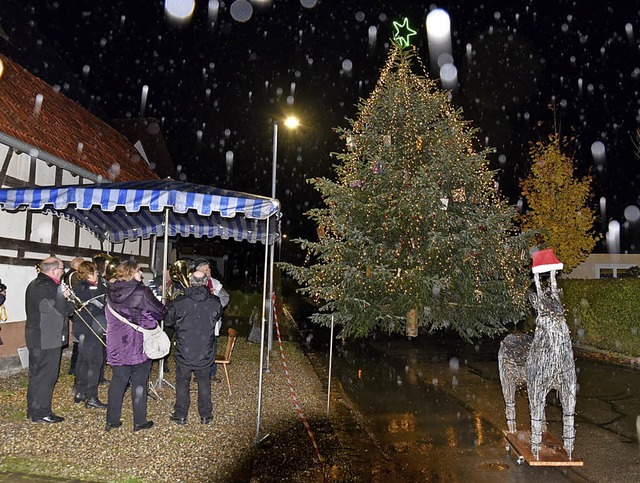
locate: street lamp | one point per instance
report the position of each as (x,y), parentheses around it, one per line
(290,122)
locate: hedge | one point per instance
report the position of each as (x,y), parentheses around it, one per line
(604,313)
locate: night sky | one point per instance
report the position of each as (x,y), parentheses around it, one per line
(217,83)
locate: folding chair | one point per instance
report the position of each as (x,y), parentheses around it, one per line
(226,359)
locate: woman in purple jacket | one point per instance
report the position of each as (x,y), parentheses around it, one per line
(131,299)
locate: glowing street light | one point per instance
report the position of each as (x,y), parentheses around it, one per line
(290,122)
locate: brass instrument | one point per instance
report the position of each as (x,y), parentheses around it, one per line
(179,273)
(81,305)
(110,264)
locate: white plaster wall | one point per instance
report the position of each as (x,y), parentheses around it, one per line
(16,278)
(45,175)
(88,240)
(41,228)
(19,165)
(66,232)
(12,224)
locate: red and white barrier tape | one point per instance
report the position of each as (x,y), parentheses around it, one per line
(296,403)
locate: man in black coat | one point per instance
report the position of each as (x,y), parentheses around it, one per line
(194,316)
(46,332)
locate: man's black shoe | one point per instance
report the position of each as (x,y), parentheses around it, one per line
(111,426)
(146,425)
(215,379)
(50,419)
(79,397)
(94,403)
(206,420)
(178,420)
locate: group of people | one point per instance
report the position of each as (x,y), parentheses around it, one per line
(96,306)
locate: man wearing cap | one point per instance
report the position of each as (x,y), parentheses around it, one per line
(194,315)
(46,332)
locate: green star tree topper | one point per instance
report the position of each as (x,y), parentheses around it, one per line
(412,223)
(403,33)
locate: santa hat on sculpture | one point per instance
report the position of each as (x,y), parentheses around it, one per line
(545,261)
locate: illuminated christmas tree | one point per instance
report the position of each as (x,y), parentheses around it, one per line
(412,226)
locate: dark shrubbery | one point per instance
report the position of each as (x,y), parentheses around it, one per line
(604,313)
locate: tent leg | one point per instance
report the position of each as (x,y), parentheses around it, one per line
(271,307)
(264,299)
(165,257)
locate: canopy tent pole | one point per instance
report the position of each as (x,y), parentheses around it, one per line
(270,305)
(152,256)
(330,367)
(165,257)
(264,308)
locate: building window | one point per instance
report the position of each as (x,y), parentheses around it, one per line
(607,273)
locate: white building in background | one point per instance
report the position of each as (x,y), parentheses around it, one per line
(605,265)
(47,139)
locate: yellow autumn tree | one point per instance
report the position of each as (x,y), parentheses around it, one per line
(558,202)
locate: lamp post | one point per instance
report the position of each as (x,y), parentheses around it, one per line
(290,122)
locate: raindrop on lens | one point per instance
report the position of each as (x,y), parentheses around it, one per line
(241,10)
(454,364)
(598,152)
(632,214)
(229,161)
(179,9)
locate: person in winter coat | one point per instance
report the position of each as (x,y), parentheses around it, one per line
(71,279)
(46,332)
(216,288)
(128,297)
(194,316)
(89,325)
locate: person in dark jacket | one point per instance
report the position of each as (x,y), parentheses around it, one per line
(194,316)
(71,278)
(216,288)
(46,332)
(89,326)
(128,297)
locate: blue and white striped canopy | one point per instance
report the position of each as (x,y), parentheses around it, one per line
(136,209)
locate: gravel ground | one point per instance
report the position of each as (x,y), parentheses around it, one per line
(224,451)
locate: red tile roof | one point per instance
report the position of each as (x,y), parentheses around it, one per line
(64,129)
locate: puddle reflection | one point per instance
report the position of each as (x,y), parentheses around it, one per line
(428,433)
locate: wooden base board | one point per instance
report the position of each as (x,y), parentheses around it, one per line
(551,453)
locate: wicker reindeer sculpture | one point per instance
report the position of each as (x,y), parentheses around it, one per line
(542,362)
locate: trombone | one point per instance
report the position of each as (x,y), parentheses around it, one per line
(81,305)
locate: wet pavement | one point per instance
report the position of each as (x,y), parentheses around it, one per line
(435,406)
